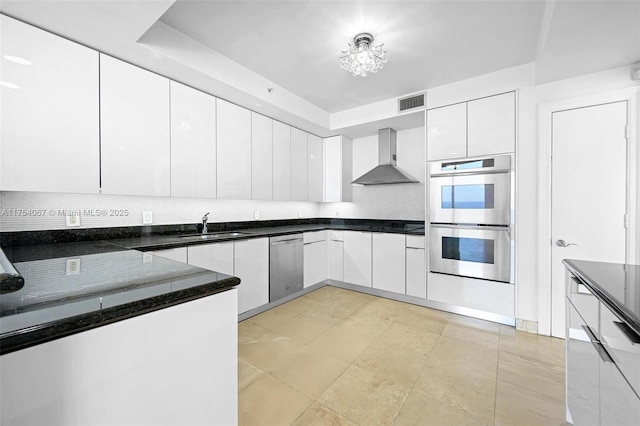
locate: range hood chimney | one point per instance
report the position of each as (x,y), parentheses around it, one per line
(386,171)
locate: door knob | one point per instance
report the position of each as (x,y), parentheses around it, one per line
(563,243)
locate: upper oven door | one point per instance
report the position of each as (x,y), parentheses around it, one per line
(482,199)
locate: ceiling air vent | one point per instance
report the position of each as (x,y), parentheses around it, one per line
(411,102)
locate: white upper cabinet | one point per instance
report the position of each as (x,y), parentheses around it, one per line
(483,126)
(389,262)
(261,157)
(298,165)
(135,134)
(49,137)
(281,161)
(492,125)
(447,132)
(315,170)
(234,151)
(193,143)
(338,166)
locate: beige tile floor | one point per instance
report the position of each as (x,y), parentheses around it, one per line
(339,357)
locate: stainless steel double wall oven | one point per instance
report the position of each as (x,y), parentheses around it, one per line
(470,215)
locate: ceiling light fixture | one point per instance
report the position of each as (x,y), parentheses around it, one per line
(363,57)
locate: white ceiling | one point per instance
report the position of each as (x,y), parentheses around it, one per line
(294,46)
(297,44)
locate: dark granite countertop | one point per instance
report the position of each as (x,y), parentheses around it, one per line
(165,241)
(75,287)
(80,279)
(614,284)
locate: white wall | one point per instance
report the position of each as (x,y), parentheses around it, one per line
(165,210)
(397,201)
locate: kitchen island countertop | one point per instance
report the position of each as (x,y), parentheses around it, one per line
(73,287)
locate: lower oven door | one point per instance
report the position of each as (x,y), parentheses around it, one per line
(471,251)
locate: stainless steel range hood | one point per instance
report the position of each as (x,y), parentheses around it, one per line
(386,171)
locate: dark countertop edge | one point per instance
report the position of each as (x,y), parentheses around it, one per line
(620,311)
(25,338)
(59,236)
(185,242)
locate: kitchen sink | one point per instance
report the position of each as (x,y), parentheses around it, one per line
(214,235)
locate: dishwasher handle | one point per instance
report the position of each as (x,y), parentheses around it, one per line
(285,239)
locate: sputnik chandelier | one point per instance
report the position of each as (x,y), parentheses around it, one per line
(363,57)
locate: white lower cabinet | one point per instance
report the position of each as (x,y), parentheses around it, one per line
(215,257)
(316,258)
(247,260)
(178,254)
(416,265)
(251,259)
(357,258)
(388,258)
(416,277)
(336,260)
(122,373)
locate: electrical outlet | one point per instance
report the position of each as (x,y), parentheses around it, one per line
(73,266)
(72,218)
(300,213)
(256,214)
(147,217)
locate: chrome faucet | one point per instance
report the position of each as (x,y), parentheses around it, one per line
(205,219)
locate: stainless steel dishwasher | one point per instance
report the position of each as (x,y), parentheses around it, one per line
(285,266)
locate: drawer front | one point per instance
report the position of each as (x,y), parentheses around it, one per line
(587,305)
(623,344)
(583,361)
(415,241)
(336,235)
(314,237)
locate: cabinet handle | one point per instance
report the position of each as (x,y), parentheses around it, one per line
(592,336)
(628,332)
(604,355)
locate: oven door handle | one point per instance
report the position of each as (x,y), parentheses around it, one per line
(506,228)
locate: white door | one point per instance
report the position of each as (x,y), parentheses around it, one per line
(588,202)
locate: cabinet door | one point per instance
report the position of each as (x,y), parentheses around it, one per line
(315,263)
(336,261)
(416,277)
(492,125)
(261,157)
(315,168)
(619,404)
(338,169)
(193,143)
(214,257)
(135,134)
(582,363)
(178,254)
(281,161)
(234,151)
(357,258)
(389,262)
(252,267)
(447,132)
(49,137)
(298,165)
